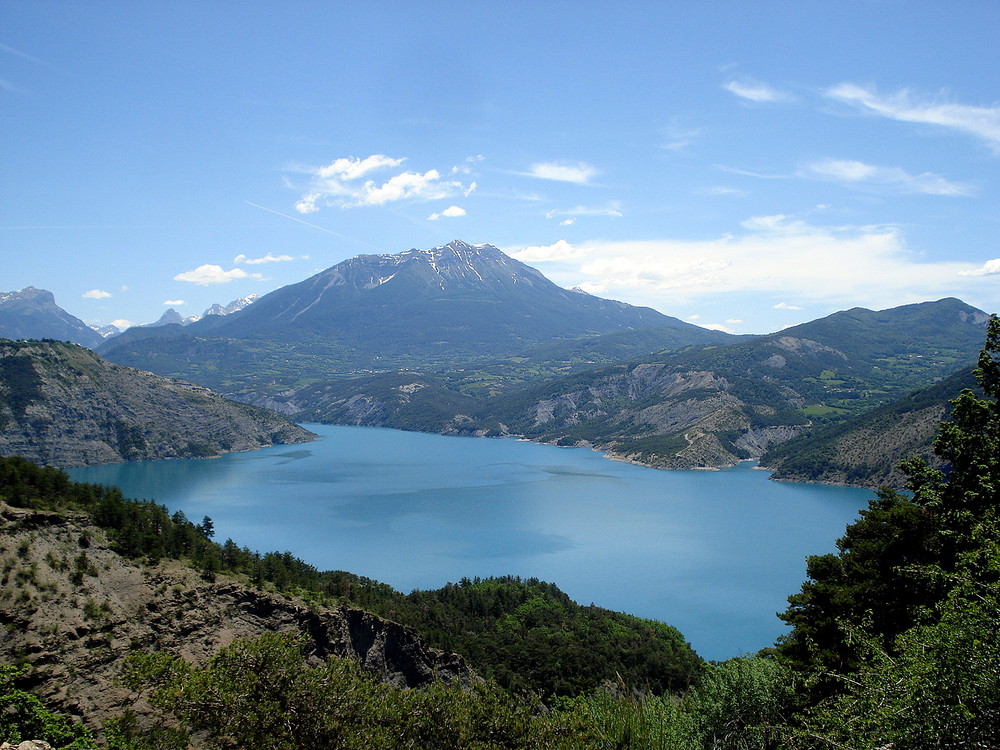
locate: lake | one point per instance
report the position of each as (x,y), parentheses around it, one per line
(713,553)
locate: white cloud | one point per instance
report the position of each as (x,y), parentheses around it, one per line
(568,222)
(756,91)
(173,302)
(981,122)
(427,186)
(450,212)
(715,327)
(268,258)
(560,250)
(96,294)
(785,306)
(576,172)
(209,274)
(777,255)
(772,223)
(307,205)
(338,184)
(350,168)
(852,172)
(989,268)
(122,323)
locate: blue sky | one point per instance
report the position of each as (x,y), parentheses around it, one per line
(742,165)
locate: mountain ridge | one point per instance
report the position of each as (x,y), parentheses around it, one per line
(434,308)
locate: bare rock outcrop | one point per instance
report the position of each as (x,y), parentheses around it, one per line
(62,405)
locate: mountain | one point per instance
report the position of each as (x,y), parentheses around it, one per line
(865,450)
(62,405)
(170,317)
(33,314)
(433,309)
(235,306)
(460,296)
(715,405)
(106,331)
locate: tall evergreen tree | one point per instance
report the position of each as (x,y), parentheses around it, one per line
(880,583)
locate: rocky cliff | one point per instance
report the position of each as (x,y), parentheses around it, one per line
(62,405)
(72,609)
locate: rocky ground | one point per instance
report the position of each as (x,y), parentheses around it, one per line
(73,609)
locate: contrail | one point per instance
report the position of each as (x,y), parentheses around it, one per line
(308,224)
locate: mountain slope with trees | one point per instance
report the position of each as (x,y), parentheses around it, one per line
(866,450)
(717,405)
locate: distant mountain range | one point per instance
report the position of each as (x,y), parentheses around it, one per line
(463,339)
(32,313)
(62,405)
(440,308)
(172,317)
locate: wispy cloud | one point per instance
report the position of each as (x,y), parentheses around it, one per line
(857,173)
(210,274)
(96,294)
(339,184)
(561,250)
(242,259)
(678,136)
(579,172)
(747,88)
(981,122)
(612,209)
(451,212)
(173,302)
(23,55)
(721,191)
(785,306)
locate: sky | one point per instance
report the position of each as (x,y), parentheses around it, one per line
(744,166)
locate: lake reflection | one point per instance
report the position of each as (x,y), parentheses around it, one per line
(713,553)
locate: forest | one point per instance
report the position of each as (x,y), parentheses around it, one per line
(893,640)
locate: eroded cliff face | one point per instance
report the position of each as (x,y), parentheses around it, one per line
(62,405)
(73,609)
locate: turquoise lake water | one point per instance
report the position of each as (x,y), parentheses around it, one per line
(713,553)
